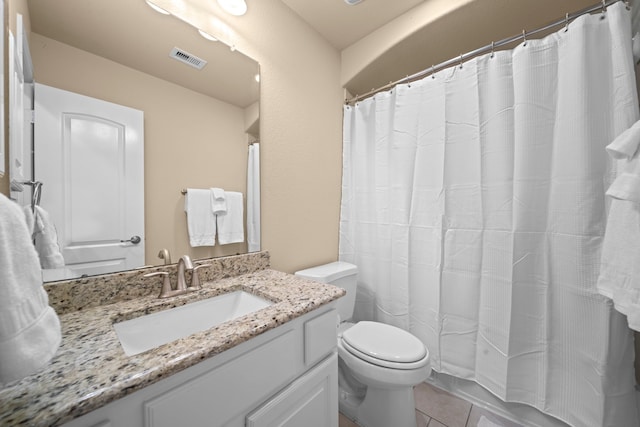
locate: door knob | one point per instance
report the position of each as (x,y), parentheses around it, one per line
(135,240)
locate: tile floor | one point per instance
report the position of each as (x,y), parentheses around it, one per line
(438,408)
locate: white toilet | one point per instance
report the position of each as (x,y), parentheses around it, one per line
(378,363)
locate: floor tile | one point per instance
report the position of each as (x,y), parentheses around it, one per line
(345,422)
(441,406)
(422,420)
(435,423)
(477,412)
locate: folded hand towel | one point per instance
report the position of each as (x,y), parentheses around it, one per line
(619,277)
(626,144)
(201,222)
(29,328)
(626,186)
(46,237)
(231,225)
(218,201)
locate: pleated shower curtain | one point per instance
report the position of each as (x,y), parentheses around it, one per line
(473,205)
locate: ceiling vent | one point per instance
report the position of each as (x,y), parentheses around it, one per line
(187,58)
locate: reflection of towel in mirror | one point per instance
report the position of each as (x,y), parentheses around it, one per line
(46,237)
(29,328)
(218,201)
(201,222)
(231,224)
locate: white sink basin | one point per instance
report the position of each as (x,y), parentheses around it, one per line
(153,330)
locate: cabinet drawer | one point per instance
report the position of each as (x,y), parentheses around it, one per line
(220,394)
(310,401)
(320,336)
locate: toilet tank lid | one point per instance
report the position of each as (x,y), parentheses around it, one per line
(328,272)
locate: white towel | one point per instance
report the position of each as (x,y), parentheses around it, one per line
(29,328)
(201,222)
(619,277)
(231,225)
(218,201)
(626,144)
(46,237)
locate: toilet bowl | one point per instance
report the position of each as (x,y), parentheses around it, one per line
(379,364)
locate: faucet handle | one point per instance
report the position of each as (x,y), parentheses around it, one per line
(195,280)
(166,290)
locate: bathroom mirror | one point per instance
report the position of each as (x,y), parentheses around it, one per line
(119,51)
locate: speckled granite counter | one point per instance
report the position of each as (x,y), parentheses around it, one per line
(90,369)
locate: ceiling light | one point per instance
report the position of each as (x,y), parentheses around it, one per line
(207,36)
(234,7)
(157,8)
(352,2)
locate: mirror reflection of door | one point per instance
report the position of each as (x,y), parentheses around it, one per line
(90,157)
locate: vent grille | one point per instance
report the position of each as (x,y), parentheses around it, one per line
(187,58)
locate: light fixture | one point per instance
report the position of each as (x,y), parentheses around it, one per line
(157,8)
(257,77)
(234,7)
(207,36)
(352,2)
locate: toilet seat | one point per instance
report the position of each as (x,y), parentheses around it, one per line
(385,345)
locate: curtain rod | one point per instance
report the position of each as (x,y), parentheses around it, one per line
(488,48)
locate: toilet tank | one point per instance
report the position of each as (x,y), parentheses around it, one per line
(340,274)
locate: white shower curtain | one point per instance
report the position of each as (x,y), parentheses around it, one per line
(473,204)
(253,198)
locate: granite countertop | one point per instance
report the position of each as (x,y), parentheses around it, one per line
(90,368)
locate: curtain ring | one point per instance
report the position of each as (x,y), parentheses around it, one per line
(524,38)
(566,23)
(433,71)
(493,45)
(460,61)
(627,4)
(604,8)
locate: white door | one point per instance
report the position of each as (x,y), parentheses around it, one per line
(89,155)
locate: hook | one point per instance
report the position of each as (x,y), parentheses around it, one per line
(493,45)
(604,8)
(566,23)
(524,38)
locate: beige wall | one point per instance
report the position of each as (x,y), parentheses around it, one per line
(191,140)
(359,55)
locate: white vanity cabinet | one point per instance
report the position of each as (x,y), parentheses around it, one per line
(285,377)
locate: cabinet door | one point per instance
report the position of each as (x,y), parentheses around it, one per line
(310,401)
(229,390)
(320,337)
